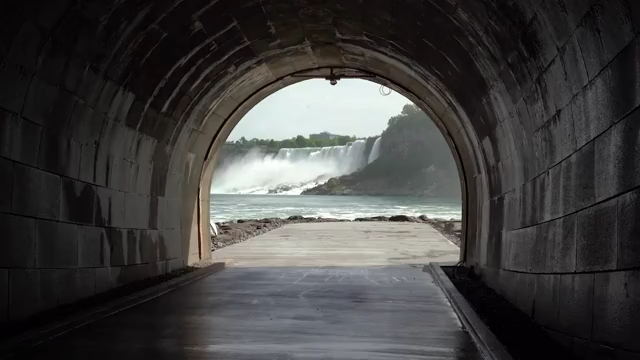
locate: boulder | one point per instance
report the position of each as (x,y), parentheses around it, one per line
(423,218)
(295,218)
(403,218)
(448,227)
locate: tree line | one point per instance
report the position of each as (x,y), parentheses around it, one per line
(271,145)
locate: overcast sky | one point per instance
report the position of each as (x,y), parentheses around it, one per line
(353,107)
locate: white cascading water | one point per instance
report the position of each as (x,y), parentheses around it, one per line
(375,151)
(290,171)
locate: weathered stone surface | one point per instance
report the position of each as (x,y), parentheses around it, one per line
(56,244)
(588,34)
(596,239)
(576,304)
(77,202)
(547,300)
(168,246)
(47,105)
(25,47)
(76,284)
(592,110)
(13,87)
(87,165)
(50,287)
(625,80)
(136,211)
(37,192)
(563,251)
(520,245)
(582,183)
(541,247)
(148,246)
(85,125)
(133,247)
(18,137)
(118,246)
(24,293)
(628,230)
(4,300)
(18,247)
(6,184)
(616,314)
(106,278)
(617,154)
(554,13)
(93,247)
(59,154)
(172,215)
(615,27)
(110,207)
(133,273)
(525,298)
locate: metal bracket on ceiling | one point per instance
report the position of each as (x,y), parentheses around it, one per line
(334,76)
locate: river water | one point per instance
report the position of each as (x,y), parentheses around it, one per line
(226,207)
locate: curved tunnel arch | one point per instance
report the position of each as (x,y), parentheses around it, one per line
(445,120)
(108,108)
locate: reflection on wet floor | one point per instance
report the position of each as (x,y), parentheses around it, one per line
(373,311)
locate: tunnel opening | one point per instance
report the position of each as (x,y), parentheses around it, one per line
(108,111)
(410,171)
(442,121)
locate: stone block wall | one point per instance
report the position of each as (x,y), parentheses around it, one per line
(87,202)
(568,244)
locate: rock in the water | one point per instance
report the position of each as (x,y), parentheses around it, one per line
(423,218)
(295,217)
(373,218)
(402,218)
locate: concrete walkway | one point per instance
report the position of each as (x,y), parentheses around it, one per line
(306,291)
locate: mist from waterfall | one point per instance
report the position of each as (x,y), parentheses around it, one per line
(290,171)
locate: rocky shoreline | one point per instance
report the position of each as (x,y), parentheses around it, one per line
(233,232)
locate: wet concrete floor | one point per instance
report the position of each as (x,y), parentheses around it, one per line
(305,291)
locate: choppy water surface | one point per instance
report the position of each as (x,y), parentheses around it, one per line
(234,206)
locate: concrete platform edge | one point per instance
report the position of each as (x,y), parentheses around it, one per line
(14,345)
(488,344)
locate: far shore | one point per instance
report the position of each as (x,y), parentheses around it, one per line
(233,232)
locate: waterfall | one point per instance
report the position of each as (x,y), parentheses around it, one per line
(375,151)
(290,171)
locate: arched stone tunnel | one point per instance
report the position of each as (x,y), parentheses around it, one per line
(111,113)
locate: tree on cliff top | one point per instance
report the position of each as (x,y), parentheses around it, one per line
(409,111)
(411,141)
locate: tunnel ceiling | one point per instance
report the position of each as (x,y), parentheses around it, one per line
(153,66)
(148,65)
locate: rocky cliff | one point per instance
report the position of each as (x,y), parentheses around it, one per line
(414,160)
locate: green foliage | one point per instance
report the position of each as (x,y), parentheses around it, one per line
(271,145)
(411,141)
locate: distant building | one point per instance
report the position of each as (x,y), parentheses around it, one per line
(323,136)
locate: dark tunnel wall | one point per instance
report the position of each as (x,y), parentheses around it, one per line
(108,110)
